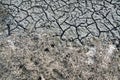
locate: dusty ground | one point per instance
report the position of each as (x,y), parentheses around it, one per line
(44,57)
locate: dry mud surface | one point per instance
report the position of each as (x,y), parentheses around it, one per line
(45,57)
(59,39)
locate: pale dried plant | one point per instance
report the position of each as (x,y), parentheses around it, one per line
(58,62)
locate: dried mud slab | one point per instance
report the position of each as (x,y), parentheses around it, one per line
(73,21)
